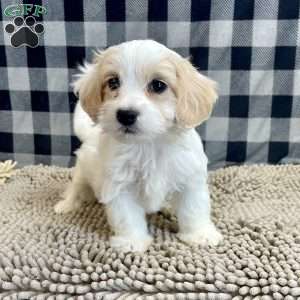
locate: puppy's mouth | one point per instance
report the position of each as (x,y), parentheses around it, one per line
(128,130)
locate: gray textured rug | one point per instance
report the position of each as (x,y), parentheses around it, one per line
(48,256)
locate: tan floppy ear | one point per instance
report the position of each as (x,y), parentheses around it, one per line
(87,86)
(196,95)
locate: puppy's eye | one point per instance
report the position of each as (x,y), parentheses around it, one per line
(113,83)
(157,86)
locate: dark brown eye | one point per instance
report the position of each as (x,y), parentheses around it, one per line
(113,83)
(157,86)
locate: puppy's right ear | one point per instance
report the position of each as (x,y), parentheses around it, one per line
(87,86)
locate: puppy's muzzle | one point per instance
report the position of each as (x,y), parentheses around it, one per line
(127,117)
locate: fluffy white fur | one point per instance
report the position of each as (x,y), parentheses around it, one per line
(161,162)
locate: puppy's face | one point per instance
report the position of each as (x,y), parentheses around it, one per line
(140,90)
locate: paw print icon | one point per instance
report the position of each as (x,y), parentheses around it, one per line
(24,32)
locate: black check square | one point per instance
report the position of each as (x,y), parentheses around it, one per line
(236,152)
(36,57)
(277,151)
(199,57)
(241,58)
(288,10)
(3,61)
(75,56)
(243,10)
(5,100)
(75,144)
(6,142)
(239,106)
(285,57)
(72,102)
(73,11)
(115,10)
(282,107)
(42,144)
(200,10)
(40,101)
(157,10)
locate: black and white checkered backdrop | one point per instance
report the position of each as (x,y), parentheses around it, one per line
(249,47)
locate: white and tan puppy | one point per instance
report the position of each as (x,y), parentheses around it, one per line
(139,104)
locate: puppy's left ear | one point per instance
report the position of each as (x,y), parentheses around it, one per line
(196,95)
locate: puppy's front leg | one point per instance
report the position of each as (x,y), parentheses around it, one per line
(193,212)
(128,221)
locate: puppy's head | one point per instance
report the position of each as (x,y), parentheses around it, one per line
(140,90)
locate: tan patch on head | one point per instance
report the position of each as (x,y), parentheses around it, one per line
(164,70)
(90,85)
(195,93)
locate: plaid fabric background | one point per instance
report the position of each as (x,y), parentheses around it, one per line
(249,47)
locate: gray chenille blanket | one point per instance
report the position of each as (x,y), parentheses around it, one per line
(49,256)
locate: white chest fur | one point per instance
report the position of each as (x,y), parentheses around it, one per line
(152,172)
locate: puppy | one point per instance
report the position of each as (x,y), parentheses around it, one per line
(139,104)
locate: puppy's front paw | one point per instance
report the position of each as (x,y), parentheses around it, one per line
(206,236)
(65,206)
(130,244)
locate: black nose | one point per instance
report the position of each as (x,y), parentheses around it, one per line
(127,117)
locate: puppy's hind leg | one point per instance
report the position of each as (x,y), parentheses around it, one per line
(77,191)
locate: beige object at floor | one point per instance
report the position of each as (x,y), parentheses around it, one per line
(50,256)
(6,170)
